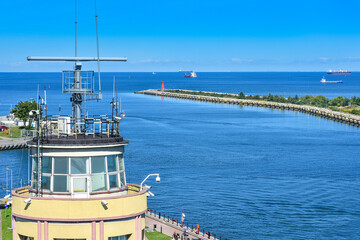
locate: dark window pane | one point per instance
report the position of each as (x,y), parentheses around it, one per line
(98,164)
(61,165)
(46,164)
(113,181)
(111,162)
(45,182)
(61,184)
(118,238)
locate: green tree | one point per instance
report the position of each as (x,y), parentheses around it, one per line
(270,97)
(320,101)
(296,98)
(339,101)
(22,110)
(241,95)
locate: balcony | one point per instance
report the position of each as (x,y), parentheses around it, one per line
(62,209)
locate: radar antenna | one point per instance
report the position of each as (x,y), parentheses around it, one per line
(77,82)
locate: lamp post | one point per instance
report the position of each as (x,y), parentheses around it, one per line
(11,185)
(31,113)
(153,174)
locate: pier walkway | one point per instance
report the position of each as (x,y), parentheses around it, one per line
(12,143)
(168,227)
(346,118)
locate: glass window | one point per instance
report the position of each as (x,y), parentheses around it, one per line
(79,166)
(61,183)
(34,180)
(80,184)
(61,165)
(45,182)
(69,239)
(118,238)
(34,164)
(113,181)
(122,178)
(111,162)
(121,162)
(98,164)
(25,237)
(98,182)
(46,164)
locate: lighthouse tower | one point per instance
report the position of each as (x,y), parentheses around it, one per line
(78,181)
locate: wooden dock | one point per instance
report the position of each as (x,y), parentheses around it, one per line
(346,118)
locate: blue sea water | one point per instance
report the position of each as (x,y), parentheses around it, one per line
(239,172)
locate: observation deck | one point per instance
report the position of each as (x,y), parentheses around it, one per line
(102,217)
(79,209)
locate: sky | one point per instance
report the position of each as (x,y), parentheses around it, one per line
(199,35)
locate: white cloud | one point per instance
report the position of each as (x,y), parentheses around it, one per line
(324,59)
(12,64)
(242,60)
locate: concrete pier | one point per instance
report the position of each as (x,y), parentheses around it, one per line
(346,118)
(169,227)
(12,143)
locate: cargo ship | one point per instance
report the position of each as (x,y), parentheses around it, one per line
(323,80)
(338,72)
(191,75)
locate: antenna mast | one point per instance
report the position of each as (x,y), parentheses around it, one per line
(78,82)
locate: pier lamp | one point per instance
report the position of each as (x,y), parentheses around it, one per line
(31,113)
(11,185)
(153,174)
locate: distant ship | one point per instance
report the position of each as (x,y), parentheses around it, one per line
(323,80)
(154,73)
(191,75)
(338,72)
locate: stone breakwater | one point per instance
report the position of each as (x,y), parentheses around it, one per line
(346,118)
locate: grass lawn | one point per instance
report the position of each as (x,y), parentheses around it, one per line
(156,236)
(5,224)
(16,133)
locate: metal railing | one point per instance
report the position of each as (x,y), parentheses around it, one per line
(94,125)
(185,227)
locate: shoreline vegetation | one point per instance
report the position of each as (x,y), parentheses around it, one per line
(340,104)
(6,224)
(14,132)
(155,235)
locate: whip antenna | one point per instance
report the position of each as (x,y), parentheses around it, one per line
(75,28)
(98,52)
